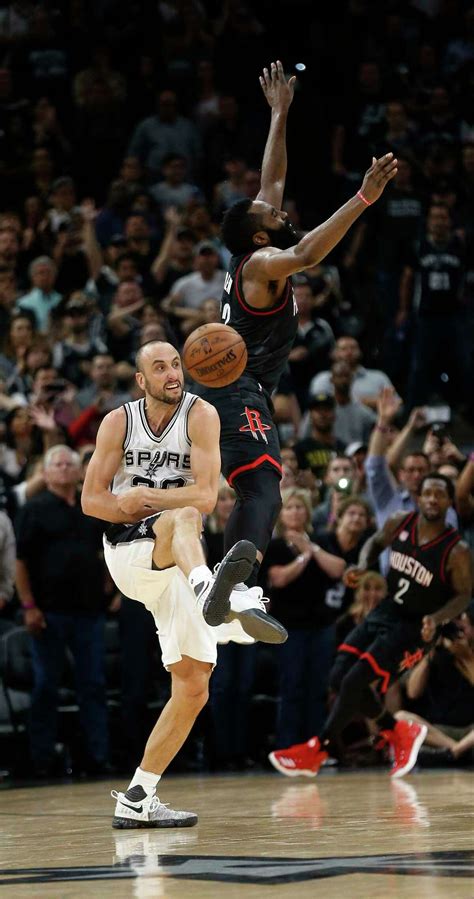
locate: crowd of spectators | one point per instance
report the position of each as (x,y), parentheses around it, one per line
(115,170)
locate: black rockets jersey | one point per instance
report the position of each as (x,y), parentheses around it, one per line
(417,580)
(268,333)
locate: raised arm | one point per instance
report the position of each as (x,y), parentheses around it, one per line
(279,95)
(204,430)
(271,264)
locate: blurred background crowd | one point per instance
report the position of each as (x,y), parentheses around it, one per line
(126,131)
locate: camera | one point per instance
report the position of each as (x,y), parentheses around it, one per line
(438,429)
(344,485)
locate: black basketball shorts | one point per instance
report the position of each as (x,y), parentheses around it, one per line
(389,646)
(249,437)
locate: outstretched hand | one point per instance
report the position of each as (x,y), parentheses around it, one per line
(377,177)
(278,91)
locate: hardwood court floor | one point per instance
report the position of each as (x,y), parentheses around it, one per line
(344,834)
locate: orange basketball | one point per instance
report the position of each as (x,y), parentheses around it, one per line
(215,355)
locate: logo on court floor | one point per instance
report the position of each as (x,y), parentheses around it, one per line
(250,869)
(255,425)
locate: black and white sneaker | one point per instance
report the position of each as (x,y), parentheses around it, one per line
(248,606)
(136,809)
(213,596)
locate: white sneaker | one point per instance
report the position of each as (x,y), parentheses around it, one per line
(213,595)
(248,608)
(136,808)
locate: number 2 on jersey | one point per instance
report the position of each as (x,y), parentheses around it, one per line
(403,586)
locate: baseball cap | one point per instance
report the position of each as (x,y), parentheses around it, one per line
(117,240)
(205,246)
(353,448)
(321,399)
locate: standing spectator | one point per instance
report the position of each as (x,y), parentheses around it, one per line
(435,275)
(7,560)
(338,483)
(387,494)
(321,445)
(207,281)
(60,584)
(102,382)
(233,677)
(313,342)
(72,355)
(176,255)
(123,323)
(353,421)
(42,298)
(344,541)
(163,133)
(294,568)
(174,190)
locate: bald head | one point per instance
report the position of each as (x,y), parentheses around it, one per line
(148,350)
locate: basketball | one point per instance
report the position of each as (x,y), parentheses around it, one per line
(215,355)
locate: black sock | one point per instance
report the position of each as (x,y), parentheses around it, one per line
(253,576)
(386,721)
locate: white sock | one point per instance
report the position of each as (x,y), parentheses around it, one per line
(200,574)
(146,779)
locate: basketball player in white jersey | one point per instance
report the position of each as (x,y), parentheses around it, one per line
(169,439)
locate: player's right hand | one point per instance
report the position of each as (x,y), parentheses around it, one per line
(132,501)
(377,177)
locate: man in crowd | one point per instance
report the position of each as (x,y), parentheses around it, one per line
(367,382)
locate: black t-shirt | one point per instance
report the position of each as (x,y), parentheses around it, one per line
(336,596)
(394,222)
(439,271)
(313,454)
(299,604)
(62,549)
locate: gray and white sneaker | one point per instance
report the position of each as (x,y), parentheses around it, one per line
(213,596)
(247,605)
(135,809)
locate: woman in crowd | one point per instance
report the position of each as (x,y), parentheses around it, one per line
(297,572)
(232,681)
(370,592)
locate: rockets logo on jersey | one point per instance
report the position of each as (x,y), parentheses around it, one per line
(255,426)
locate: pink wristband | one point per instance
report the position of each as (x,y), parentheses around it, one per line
(361,197)
(27,606)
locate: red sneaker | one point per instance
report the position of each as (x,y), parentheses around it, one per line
(406,739)
(302,759)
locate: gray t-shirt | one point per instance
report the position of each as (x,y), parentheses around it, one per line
(192,290)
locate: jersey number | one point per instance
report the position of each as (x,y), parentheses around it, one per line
(166,484)
(403,586)
(226,313)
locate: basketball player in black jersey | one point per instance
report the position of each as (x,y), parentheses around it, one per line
(429,583)
(258,302)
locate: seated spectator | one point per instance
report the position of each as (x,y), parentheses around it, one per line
(313,342)
(372,588)
(173,190)
(100,66)
(62,200)
(30,431)
(315,450)
(42,299)
(111,218)
(73,353)
(367,382)
(295,570)
(441,690)
(140,241)
(60,583)
(76,251)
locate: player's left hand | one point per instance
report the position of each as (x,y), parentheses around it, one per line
(278,91)
(132,501)
(428,629)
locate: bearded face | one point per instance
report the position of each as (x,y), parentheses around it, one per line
(283,237)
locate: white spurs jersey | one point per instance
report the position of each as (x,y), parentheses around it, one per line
(152,461)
